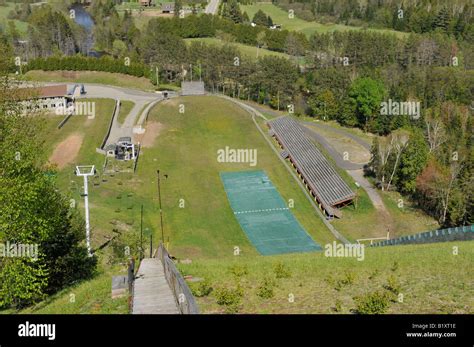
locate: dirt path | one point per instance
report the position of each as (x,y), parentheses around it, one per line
(66,151)
(385,219)
(153,130)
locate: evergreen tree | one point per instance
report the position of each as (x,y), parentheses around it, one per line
(260,18)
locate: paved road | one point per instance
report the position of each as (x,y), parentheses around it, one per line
(140,98)
(212,7)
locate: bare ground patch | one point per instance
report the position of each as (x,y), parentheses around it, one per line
(67,150)
(153,130)
(345,146)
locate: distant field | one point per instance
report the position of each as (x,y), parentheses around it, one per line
(430,278)
(113,79)
(279,16)
(249,51)
(4,11)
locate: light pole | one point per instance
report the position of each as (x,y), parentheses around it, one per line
(156,72)
(85,171)
(159,200)
(141,233)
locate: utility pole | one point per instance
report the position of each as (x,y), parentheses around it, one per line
(156,72)
(159,200)
(151,245)
(141,233)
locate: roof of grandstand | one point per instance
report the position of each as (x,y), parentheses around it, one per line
(319,174)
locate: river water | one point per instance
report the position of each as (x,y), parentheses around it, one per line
(84,19)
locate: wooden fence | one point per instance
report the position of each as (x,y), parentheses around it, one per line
(183,296)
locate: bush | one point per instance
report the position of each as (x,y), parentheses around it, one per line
(230,298)
(200,289)
(373,303)
(393,286)
(281,270)
(348,279)
(394,266)
(265,289)
(239,270)
(374,274)
(338,306)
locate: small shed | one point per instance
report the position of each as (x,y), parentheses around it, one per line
(167,7)
(145,2)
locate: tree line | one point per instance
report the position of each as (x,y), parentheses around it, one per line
(449,17)
(33,213)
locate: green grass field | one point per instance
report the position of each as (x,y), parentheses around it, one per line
(280,16)
(186,149)
(248,51)
(113,79)
(430,277)
(125,108)
(4,11)
(86,297)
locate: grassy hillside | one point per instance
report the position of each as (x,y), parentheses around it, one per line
(87,297)
(430,277)
(4,11)
(186,149)
(184,146)
(280,16)
(249,51)
(113,79)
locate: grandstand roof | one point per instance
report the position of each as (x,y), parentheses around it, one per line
(322,178)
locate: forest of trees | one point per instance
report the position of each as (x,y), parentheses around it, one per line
(450,17)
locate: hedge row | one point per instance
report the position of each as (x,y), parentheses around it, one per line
(80,63)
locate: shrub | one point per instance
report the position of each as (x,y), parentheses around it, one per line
(347,280)
(393,286)
(337,306)
(265,289)
(200,289)
(229,298)
(281,270)
(374,274)
(239,270)
(372,303)
(394,266)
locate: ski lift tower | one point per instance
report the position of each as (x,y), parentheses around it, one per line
(85,171)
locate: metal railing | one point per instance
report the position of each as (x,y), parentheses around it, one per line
(461,233)
(130,279)
(182,294)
